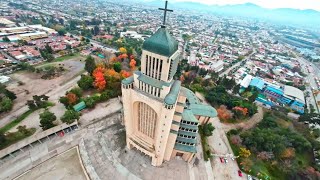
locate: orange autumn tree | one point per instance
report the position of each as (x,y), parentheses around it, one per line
(114,59)
(100,82)
(223,113)
(112,73)
(133,64)
(123,56)
(240,112)
(244,111)
(288,153)
(72,98)
(125,74)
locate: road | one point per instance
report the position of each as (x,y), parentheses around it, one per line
(226,72)
(7,56)
(220,146)
(310,78)
(97,44)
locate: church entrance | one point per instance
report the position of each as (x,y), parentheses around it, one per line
(179,154)
(146,119)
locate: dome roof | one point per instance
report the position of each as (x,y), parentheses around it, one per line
(161,43)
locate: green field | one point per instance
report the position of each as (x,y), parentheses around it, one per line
(67,57)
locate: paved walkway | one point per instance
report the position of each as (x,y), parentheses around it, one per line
(219,144)
(63,166)
(106,157)
(32,157)
(248,124)
(12,167)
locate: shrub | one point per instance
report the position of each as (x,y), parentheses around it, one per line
(6,104)
(104,96)
(70,116)
(46,119)
(86,82)
(90,102)
(77,91)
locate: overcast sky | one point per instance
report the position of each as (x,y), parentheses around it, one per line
(297,4)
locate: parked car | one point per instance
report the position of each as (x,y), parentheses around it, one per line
(232,158)
(226,160)
(240,173)
(249,177)
(221,160)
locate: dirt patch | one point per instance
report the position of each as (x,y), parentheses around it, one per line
(63,166)
(32,84)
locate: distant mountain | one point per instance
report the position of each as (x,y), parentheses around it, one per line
(286,16)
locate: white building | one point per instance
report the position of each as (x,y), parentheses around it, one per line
(216,66)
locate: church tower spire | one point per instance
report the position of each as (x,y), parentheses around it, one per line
(165,9)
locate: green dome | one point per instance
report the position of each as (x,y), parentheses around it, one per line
(161,43)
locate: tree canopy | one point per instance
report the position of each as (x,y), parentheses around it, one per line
(90,65)
(70,116)
(46,120)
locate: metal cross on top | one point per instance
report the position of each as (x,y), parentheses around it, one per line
(165,13)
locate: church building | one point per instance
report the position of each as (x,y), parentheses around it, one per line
(161,117)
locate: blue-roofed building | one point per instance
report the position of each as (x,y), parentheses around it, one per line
(274,93)
(257,83)
(286,95)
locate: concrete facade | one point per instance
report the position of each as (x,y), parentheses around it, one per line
(157,116)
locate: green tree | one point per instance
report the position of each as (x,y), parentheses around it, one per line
(203,72)
(104,96)
(62,32)
(40,101)
(86,82)
(6,104)
(3,139)
(108,29)
(46,119)
(6,92)
(90,65)
(22,42)
(50,57)
(253,97)
(31,104)
(90,102)
(48,49)
(310,117)
(23,130)
(207,129)
(117,66)
(5,39)
(77,91)
(64,100)
(96,30)
(236,89)
(316,133)
(240,58)
(70,116)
